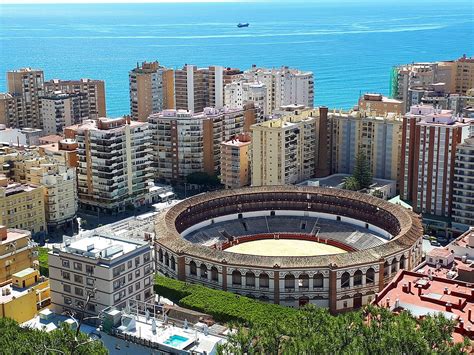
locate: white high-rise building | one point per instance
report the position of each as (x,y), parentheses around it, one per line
(238,93)
(285,86)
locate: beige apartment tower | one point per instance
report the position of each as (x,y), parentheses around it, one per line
(151,90)
(186,143)
(26,86)
(94,89)
(235,161)
(285,150)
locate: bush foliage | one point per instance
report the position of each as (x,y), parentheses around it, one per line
(15,340)
(262,328)
(43,261)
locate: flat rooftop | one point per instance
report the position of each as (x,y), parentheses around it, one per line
(422,295)
(14,234)
(100,246)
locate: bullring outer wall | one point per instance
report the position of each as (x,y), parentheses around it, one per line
(340,282)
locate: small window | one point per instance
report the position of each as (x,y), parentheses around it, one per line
(67,300)
(66,263)
(90,282)
(130,277)
(137,273)
(78,266)
(129,264)
(66,275)
(78,278)
(89,269)
(67,288)
(79,291)
(137,261)
(137,286)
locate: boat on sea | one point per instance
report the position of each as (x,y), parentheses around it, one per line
(240,24)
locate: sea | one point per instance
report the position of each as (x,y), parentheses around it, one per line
(350,46)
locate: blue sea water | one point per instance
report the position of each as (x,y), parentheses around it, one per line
(350,46)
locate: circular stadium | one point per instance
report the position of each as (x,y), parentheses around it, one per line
(290,245)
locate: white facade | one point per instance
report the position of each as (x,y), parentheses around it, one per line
(285,86)
(60,196)
(463,190)
(240,92)
(112,269)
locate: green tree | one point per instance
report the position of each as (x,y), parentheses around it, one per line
(351,183)
(16,340)
(43,261)
(202,178)
(362,170)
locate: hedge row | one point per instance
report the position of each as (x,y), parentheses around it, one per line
(223,306)
(43,261)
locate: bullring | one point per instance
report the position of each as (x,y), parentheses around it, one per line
(374,238)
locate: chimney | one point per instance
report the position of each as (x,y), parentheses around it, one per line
(419,291)
(469,315)
(449,307)
(409,286)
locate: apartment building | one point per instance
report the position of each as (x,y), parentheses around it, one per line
(25,137)
(94,90)
(114,163)
(285,86)
(151,90)
(239,93)
(25,87)
(17,252)
(197,88)
(64,151)
(463,188)
(186,142)
(27,293)
(60,193)
(235,161)
(9,106)
(378,137)
(22,206)
(379,105)
(427,167)
(107,269)
(456,77)
(60,110)
(285,149)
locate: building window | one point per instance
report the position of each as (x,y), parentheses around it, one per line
(137,261)
(66,263)
(130,289)
(78,278)
(79,304)
(130,277)
(318,281)
(67,300)
(89,269)
(192,268)
(146,257)
(345,280)
(370,276)
(90,282)
(137,273)
(79,291)
(147,281)
(119,269)
(91,307)
(66,275)
(78,266)
(67,288)
(119,283)
(129,264)
(358,278)
(137,286)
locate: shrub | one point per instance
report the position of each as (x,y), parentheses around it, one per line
(43,261)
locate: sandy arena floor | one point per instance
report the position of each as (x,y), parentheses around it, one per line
(284,247)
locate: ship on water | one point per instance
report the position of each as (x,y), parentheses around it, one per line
(240,24)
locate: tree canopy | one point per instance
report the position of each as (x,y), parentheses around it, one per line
(361,177)
(15,340)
